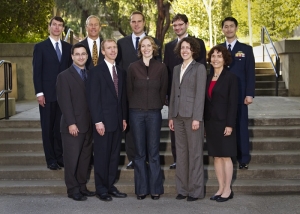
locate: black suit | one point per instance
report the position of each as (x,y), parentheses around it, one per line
(110,109)
(171,60)
(46,67)
(71,97)
(127,55)
(89,62)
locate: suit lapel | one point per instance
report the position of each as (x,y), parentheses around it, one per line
(120,82)
(219,82)
(109,80)
(64,49)
(77,77)
(131,45)
(188,69)
(51,49)
(209,78)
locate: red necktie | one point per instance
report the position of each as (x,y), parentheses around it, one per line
(115,78)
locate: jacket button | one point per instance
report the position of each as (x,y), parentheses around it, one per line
(178,96)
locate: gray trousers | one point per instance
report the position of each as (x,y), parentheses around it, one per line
(189,165)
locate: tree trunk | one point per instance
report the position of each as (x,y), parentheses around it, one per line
(163,20)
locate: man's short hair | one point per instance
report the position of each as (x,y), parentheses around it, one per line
(92,16)
(182,17)
(78,45)
(106,40)
(57,18)
(139,13)
(230,19)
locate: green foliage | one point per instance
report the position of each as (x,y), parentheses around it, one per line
(24,20)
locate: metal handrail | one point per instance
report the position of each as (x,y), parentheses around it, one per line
(7,84)
(276,67)
(70,34)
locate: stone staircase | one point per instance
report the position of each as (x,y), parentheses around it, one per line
(274,168)
(266,81)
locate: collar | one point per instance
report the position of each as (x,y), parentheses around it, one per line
(91,41)
(232,44)
(141,36)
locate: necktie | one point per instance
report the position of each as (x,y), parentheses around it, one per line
(115,78)
(137,44)
(229,47)
(83,74)
(57,51)
(95,54)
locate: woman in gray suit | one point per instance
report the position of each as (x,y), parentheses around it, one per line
(185,117)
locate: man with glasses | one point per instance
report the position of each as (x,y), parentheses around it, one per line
(76,130)
(92,41)
(127,53)
(180,24)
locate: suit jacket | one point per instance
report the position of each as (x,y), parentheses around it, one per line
(187,97)
(89,63)
(105,105)
(71,97)
(171,59)
(222,105)
(243,66)
(46,67)
(127,53)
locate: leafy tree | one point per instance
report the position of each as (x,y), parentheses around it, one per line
(24,20)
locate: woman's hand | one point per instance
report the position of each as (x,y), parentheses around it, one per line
(171,125)
(227,131)
(195,125)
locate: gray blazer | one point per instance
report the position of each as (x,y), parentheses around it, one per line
(187,97)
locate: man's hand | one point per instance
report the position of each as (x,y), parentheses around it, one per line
(124,125)
(248,100)
(195,125)
(100,128)
(41,100)
(227,131)
(73,130)
(171,125)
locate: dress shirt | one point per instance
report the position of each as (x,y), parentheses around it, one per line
(78,69)
(91,43)
(182,71)
(178,39)
(232,44)
(133,36)
(109,65)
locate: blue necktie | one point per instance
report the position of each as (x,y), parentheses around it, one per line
(137,44)
(58,52)
(83,74)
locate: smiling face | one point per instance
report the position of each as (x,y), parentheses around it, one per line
(93,28)
(110,51)
(146,48)
(180,27)
(56,28)
(79,57)
(185,51)
(229,29)
(217,60)
(137,24)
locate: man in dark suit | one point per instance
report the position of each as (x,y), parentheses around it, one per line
(50,57)
(107,102)
(92,41)
(243,66)
(127,53)
(180,25)
(75,126)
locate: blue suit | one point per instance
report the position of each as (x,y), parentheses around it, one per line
(243,66)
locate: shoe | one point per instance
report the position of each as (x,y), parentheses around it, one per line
(190,198)
(77,197)
(118,194)
(60,164)
(214,197)
(173,166)
(88,193)
(155,197)
(141,197)
(243,166)
(220,199)
(53,166)
(130,165)
(180,197)
(104,197)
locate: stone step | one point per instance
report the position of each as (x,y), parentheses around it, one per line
(166,158)
(255,171)
(20,133)
(263,65)
(266,77)
(243,186)
(269,71)
(257,143)
(271,92)
(274,131)
(20,123)
(269,85)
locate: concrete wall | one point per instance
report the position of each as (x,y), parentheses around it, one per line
(21,54)
(289,53)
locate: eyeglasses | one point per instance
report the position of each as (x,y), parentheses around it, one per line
(179,25)
(78,54)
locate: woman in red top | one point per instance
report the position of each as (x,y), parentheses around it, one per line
(220,115)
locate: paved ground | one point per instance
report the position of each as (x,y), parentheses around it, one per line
(167,204)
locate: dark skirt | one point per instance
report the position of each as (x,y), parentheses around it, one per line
(219,145)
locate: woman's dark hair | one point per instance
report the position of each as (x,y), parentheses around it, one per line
(225,54)
(195,47)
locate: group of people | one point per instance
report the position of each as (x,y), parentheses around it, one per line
(92,92)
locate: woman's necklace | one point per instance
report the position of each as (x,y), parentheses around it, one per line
(216,75)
